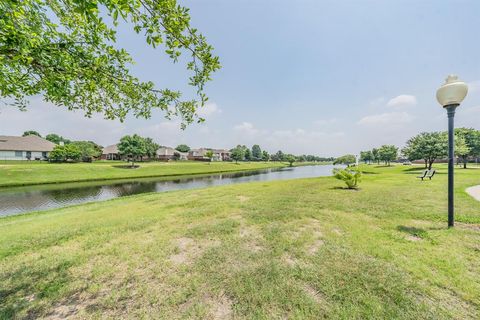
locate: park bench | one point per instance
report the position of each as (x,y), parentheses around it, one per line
(427,174)
(430,174)
(423,175)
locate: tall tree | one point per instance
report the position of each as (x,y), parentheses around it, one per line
(279,156)
(31,133)
(248,153)
(151,148)
(387,153)
(265,156)
(462,150)
(133,147)
(375,156)
(472,141)
(366,156)
(237,153)
(256,152)
(66,51)
(428,146)
(55,138)
(290,158)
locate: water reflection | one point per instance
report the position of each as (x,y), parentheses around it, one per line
(34,198)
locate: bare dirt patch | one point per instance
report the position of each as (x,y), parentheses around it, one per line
(468,226)
(221,308)
(314,294)
(69,308)
(413,238)
(313,248)
(190,249)
(289,260)
(338,231)
(243,198)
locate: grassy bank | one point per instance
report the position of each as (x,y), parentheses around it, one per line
(29,173)
(286,249)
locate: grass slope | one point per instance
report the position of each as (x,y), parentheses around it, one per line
(28,173)
(299,249)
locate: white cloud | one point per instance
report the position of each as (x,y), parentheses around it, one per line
(208,110)
(246,128)
(389,118)
(401,101)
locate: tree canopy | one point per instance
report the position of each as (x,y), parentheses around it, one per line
(427,146)
(347,159)
(66,50)
(31,132)
(132,146)
(182,148)
(256,153)
(55,138)
(471,146)
(366,156)
(238,153)
(387,153)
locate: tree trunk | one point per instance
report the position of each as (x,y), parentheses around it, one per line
(465,163)
(430,163)
(426,163)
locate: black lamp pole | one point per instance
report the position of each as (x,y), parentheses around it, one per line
(451,154)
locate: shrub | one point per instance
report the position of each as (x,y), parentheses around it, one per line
(350,177)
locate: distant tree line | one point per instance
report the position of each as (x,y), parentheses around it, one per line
(243,153)
(429,147)
(386,153)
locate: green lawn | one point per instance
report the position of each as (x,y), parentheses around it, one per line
(26,173)
(268,250)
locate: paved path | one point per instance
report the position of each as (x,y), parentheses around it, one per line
(474,192)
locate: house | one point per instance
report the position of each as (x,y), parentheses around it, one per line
(167,153)
(200,154)
(31,147)
(222,154)
(111,153)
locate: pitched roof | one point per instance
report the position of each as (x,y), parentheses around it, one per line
(110,149)
(28,143)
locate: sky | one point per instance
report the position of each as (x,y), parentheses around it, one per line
(306,77)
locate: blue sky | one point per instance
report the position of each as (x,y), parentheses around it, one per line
(320,77)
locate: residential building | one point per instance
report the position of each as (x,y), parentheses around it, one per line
(31,147)
(200,154)
(167,153)
(111,153)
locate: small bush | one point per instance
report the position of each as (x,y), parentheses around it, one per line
(350,177)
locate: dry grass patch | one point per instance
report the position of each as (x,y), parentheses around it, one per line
(188,249)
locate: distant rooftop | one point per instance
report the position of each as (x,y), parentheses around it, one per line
(28,143)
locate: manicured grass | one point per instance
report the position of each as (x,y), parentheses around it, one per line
(26,173)
(299,249)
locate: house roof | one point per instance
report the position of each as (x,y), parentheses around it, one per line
(28,143)
(166,151)
(110,149)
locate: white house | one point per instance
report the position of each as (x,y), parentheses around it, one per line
(31,147)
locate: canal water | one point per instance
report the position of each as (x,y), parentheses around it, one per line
(35,198)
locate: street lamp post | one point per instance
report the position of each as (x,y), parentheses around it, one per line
(450,95)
